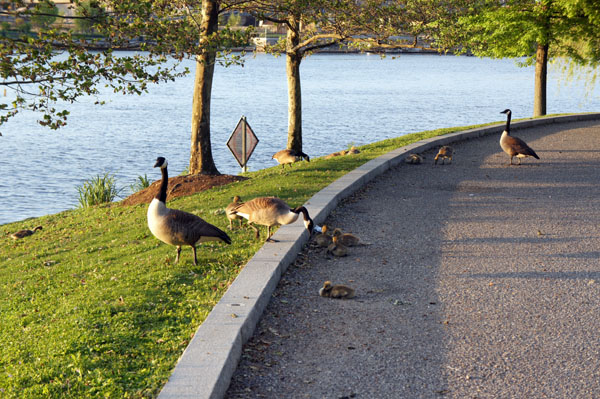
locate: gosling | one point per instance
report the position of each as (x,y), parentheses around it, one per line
(414,159)
(323,239)
(346,239)
(24,233)
(336,291)
(336,248)
(445,152)
(230,214)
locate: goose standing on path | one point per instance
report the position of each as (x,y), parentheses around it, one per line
(176,227)
(285,157)
(514,146)
(272,211)
(24,233)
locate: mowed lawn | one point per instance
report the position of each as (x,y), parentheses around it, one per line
(94,306)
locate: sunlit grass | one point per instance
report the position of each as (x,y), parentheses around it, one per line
(94,306)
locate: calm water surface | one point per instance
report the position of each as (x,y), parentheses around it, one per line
(347,99)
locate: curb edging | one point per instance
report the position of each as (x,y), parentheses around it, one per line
(206,366)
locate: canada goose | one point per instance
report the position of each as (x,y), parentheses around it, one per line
(414,159)
(176,227)
(323,239)
(272,211)
(353,150)
(285,157)
(336,248)
(229,211)
(336,291)
(346,239)
(445,152)
(24,233)
(514,146)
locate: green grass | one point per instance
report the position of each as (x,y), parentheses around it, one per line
(94,306)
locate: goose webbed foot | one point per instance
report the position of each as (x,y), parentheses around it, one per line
(271,240)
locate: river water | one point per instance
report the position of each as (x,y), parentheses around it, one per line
(347,99)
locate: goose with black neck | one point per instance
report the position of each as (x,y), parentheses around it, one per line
(176,227)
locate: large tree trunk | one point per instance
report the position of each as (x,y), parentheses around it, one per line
(293,59)
(201,159)
(541,74)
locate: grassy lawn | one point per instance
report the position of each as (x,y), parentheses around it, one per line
(94,306)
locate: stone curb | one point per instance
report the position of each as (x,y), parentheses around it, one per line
(207,364)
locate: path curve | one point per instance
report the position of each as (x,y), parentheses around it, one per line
(480,281)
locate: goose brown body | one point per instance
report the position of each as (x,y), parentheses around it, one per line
(176,227)
(285,157)
(24,233)
(271,211)
(514,146)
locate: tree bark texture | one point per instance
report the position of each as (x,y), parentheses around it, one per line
(201,159)
(541,74)
(293,59)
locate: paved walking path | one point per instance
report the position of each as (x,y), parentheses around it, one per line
(480,281)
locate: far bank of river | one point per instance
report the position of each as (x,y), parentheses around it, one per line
(348,99)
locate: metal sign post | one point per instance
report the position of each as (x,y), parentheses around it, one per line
(242,142)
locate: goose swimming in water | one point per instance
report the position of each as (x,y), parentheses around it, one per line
(176,227)
(514,146)
(272,211)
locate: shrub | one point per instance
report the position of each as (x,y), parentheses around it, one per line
(98,190)
(141,183)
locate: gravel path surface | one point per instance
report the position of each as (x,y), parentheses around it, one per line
(480,280)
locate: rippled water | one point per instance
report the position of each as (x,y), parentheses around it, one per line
(346,99)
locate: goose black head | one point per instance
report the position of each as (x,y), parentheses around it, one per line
(506,111)
(308,222)
(303,155)
(161,162)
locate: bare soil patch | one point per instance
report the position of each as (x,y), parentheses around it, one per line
(180,186)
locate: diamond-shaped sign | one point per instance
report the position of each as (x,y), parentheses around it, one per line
(242,142)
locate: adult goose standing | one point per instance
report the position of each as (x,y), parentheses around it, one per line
(285,157)
(272,211)
(176,227)
(24,233)
(514,146)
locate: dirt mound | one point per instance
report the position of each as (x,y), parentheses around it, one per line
(180,186)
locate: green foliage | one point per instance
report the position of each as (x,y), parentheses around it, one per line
(90,13)
(141,183)
(94,306)
(58,65)
(44,14)
(510,29)
(98,190)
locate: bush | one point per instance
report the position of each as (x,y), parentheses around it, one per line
(141,183)
(98,190)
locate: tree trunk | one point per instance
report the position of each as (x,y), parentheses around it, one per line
(293,59)
(541,74)
(201,159)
